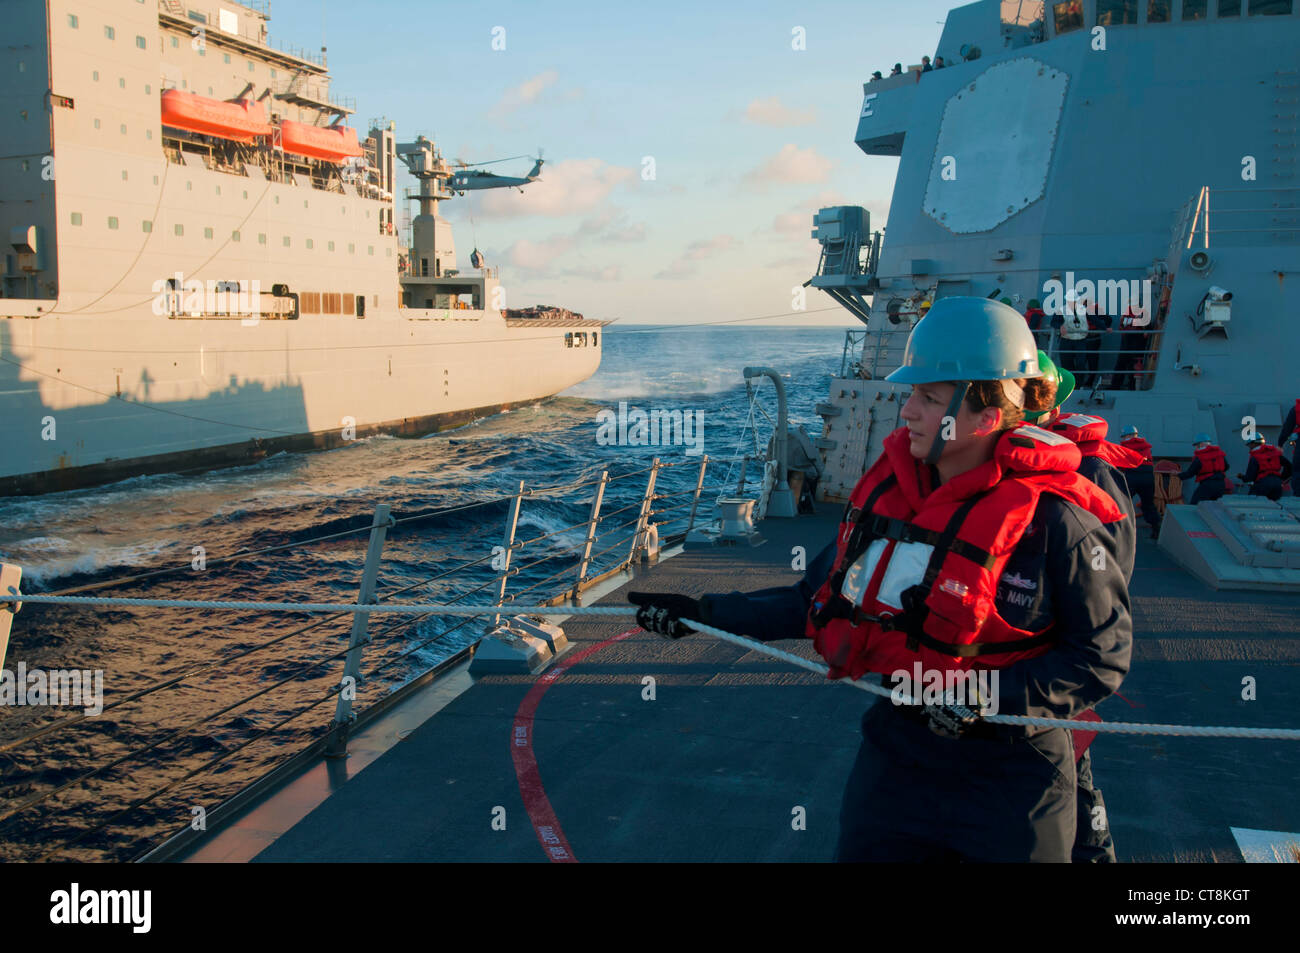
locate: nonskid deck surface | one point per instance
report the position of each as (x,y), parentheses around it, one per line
(733,743)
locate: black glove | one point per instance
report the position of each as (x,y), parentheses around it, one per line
(663,612)
(951,718)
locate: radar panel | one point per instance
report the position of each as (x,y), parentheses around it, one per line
(995,145)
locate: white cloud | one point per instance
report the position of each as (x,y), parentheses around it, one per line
(525,93)
(771,112)
(684,265)
(791,165)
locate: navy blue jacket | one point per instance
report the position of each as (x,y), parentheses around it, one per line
(1068,568)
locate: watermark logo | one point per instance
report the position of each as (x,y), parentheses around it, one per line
(179,295)
(658,428)
(73,906)
(1119,297)
(977,690)
(70,688)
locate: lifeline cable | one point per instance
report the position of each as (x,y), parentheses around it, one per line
(1119,727)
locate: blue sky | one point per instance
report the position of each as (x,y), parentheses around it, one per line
(749,137)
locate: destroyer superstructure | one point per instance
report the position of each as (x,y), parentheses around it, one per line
(1088,143)
(202,265)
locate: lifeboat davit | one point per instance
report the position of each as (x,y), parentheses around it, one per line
(240,121)
(332,143)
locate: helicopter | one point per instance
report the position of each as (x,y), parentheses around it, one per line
(466,178)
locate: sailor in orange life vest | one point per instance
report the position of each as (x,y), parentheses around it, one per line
(1267,468)
(1142,478)
(1210,467)
(969,545)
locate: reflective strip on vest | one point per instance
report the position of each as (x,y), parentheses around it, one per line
(906,568)
(1075,327)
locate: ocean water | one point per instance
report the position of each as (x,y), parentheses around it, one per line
(226,720)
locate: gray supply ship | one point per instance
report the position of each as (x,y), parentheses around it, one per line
(201,264)
(603,742)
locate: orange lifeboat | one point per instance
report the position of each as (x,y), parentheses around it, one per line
(240,121)
(332,143)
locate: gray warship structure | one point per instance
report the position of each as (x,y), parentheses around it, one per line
(200,261)
(1143,154)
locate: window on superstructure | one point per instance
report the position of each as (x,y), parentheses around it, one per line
(310,244)
(178,229)
(331,246)
(109,32)
(76,218)
(189,186)
(198,17)
(124,175)
(123,128)
(286,241)
(1116,12)
(568,339)
(121,82)
(1270,8)
(225,57)
(175,43)
(96,123)
(146,226)
(261,238)
(94,74)
(1068,16)
(73,21)
(234,236)
(352,248)
(272,74)
(148,89)
(251,67)
(140,42)
(1229,8)
(207,233)
(112,222)
(370,249)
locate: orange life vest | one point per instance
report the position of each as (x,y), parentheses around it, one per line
(1269,460)
(965,530)
(1213,462)
(1089,433)
(1138,445)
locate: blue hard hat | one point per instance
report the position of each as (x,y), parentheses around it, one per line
(1130,431)
(968,339)
(1202,437)
(1256,437)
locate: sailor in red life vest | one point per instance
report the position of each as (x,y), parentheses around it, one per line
(970,547)
(1267,468)
(1291,432)
(1210,467)
(1142,477)
(1093,842)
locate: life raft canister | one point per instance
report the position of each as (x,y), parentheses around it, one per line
(1269,460)
(1213,462)
(1089,433)
(917,568)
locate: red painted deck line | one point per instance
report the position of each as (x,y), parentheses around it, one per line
(540,813)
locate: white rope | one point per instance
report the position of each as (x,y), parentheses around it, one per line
(1119,727)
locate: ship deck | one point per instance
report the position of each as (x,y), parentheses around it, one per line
(712,768)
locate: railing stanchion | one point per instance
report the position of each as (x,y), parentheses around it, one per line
(512,520)
(337,747)
(591,533)
(644,518)
(699,485)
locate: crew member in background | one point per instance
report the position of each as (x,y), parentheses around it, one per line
(1093,843)
(1072,325)
(970,533)
(1291,431)
(1142,477)
(1210,467)
(1034,316)
(1133,347)
(1266,470)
